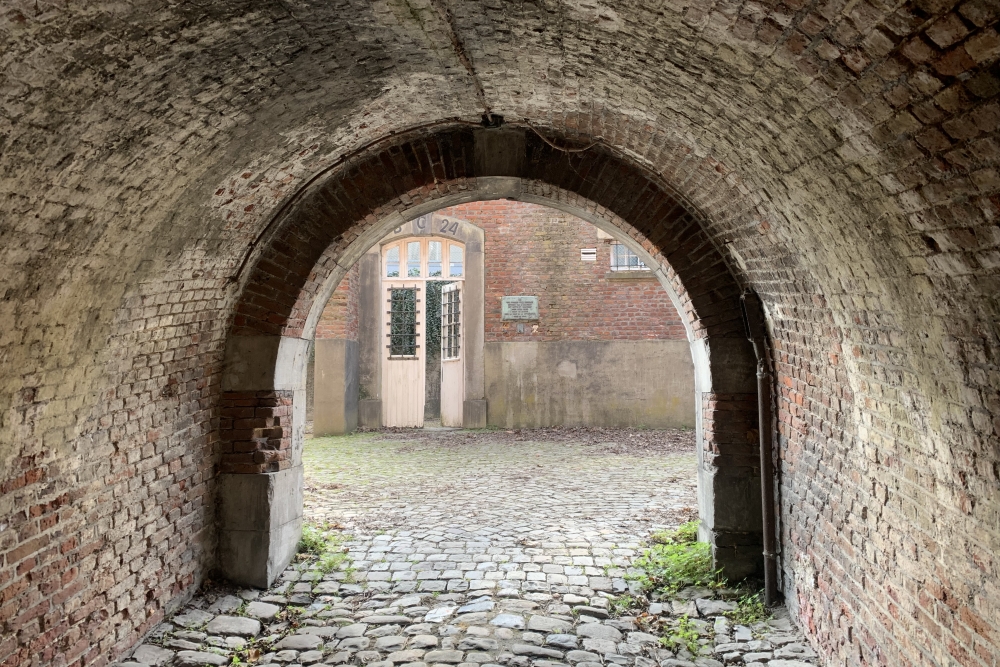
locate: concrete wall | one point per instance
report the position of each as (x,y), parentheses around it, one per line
(590,383)
(336,387)
(333,380)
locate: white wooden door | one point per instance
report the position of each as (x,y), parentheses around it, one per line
(452,358)
(403,364)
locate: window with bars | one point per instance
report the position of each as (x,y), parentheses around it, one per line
(623,259)
(403,322)
(451,331)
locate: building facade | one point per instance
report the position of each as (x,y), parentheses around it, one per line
(597,341)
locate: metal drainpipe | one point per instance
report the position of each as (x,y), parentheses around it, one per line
(753,319)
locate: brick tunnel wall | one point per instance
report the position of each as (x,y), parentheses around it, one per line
(844,154)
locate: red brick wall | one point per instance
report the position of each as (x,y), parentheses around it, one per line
(340,316)
(98,537)
(255,431)
(535,250)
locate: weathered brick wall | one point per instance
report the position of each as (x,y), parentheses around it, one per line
(339,319)
(107,504)
(535,250)
(843,155)
(532,249)
(255,431)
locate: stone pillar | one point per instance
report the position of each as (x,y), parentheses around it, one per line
(728,458)
(371,346)
(261,429)
(335,402)
(474,308)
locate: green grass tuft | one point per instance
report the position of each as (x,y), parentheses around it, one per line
(677,560)
(622,604)
(685,635)
(325,546)
(686,533)
(750,609)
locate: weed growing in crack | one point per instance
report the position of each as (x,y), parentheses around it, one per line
(686,533)
(750,609)
(685,635)
(325,546)
(622,604)
(676,560)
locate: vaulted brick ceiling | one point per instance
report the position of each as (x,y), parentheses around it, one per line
(841,154)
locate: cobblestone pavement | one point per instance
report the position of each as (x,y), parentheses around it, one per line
(553,486)
(480,549)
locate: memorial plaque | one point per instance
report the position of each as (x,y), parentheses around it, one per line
(519,308)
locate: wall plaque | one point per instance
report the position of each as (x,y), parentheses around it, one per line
(519,308)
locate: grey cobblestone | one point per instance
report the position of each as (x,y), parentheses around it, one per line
(471,555)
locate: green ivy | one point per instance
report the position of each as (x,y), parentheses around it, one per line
(432,329)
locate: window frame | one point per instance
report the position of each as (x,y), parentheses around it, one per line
(451,322)
(425,241)
(630,253)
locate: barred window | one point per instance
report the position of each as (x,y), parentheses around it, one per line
(623,259)
(403,322)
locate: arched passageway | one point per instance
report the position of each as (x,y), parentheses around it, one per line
(313,245)
(842,155)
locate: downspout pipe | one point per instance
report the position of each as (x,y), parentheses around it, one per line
(753,321)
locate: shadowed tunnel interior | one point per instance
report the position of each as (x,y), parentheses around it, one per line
(179,180)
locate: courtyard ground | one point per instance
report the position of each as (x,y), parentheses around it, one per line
(440,547)
(591,488)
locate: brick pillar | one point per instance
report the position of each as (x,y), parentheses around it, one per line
(260,478)
(728,455)
(255,431)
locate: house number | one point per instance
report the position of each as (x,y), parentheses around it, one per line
(445,226)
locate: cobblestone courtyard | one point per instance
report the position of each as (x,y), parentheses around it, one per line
(579,489)
(479,549)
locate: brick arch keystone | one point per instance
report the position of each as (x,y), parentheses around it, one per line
(314,240)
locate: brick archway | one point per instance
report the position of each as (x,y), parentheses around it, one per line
(315,239)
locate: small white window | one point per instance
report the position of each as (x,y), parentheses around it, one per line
(588,254)
(623,259)
(451,330)
(455,261)
(413,259)
(392,262)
